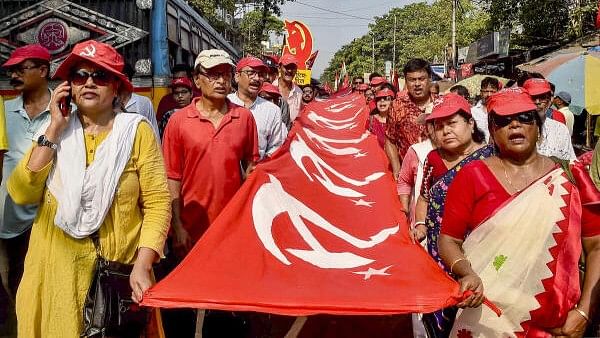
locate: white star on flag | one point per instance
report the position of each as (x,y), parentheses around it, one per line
(374,272)
(360,154)
(362,202)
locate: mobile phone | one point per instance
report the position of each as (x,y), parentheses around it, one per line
(65,105)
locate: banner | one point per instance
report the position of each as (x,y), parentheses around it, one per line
(302,77)
(315,229)
(299,43)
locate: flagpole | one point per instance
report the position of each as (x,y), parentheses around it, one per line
(394,49)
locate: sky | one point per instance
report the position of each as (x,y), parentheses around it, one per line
(336,24)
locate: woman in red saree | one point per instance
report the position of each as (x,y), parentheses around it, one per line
(513,228)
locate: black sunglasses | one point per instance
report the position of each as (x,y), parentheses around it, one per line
(523,118)
(100,77)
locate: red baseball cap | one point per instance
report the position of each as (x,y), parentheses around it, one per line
(288,59)
(448,105)
(537,86)
(27,52)
(376,81)
(385,92)
(98,53)
(362,87)
(510,101)
(252,62)
(270,88)
(182,82)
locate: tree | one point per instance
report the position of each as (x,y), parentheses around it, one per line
(209,9)
(254,31)
(422,30)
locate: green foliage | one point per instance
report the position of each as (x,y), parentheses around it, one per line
(209,10)
(252,30)
(422,30)
(542,22)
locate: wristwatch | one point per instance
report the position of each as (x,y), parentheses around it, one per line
(44,142)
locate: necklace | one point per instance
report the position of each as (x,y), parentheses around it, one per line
(527,181)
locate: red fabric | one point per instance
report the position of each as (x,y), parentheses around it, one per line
(510,101)
(598,17)
(449,105)
(558,116)
(252,62)
(287,242)
(433,169)
(472,197)
(535,86)
(207,161)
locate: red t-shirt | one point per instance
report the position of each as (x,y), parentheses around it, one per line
(168,103)
(207,161)
(476,193)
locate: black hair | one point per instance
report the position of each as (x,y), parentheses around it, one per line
(358,77)
(461,90)
(489,81)
(374,75)
(128,71)
(552,87)
(182,67)
(415,65)
(478,135)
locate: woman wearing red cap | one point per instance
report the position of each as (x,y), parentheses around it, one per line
(459,142)
(98,176)
(378,117)
(513,230)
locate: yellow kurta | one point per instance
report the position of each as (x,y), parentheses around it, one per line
(59,268)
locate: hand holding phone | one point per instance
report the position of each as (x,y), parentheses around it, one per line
(65,105)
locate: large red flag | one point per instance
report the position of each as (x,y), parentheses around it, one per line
(315,229)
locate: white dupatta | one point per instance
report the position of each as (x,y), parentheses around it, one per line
(84,195)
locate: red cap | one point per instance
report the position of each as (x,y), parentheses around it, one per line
(27,52)
(270,88)
(448,105)
(537,86)
(98,53)
(378,80)
(385,92)
(252,62)
(182,82)
(510,101)
(362,87)
(288,59)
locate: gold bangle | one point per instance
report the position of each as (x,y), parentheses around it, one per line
(456,261)
(583,314)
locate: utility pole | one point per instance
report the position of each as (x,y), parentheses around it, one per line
(454,47)
(373,54)
(394,49)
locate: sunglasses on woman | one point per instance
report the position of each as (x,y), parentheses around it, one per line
(99,77)
(523,118)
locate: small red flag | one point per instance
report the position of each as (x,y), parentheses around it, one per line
(598,17)
(317,228)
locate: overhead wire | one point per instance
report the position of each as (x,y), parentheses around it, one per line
(332,11)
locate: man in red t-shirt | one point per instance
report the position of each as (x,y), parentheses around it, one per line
(208,146)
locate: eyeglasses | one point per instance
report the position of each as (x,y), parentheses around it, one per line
(384,98)
(20,70)
(214,76)
(254,73)
(99,77)
(523,118)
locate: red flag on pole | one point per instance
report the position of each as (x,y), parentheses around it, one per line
(311,60)
(315,229)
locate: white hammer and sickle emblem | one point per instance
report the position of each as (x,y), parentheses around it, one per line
(89,51)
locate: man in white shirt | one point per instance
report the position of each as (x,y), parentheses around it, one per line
(288,66)
(562,101)
(489,86)
(250,75)
(556,140)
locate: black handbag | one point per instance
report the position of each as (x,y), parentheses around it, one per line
(108,309)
